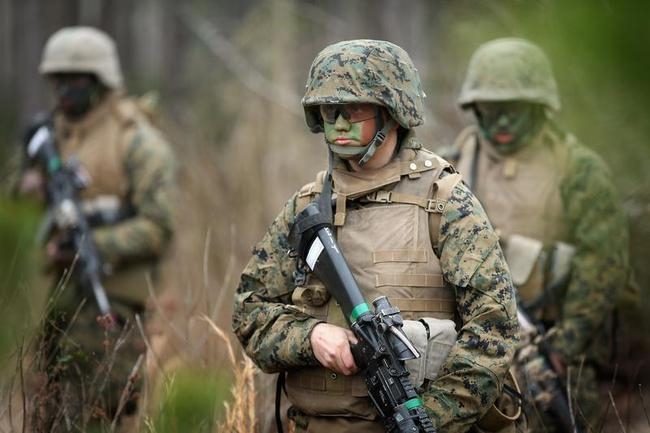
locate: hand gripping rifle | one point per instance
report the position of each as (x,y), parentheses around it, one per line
(65,212)
(383,347)
(541,377)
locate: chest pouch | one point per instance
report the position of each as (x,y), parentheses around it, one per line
(433,338)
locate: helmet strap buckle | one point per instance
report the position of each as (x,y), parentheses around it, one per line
(376,141)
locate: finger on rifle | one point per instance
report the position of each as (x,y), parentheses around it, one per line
(347,364)
(351,337)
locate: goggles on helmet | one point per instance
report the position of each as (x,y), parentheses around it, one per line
(353,113)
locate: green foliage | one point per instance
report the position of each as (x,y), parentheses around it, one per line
(18,222)
(191,401)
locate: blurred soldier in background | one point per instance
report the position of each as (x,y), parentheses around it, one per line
(554,206)
(409,230)
(127,171)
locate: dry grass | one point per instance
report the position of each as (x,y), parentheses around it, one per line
(240,414)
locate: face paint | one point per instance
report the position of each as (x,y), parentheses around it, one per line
(76,93)
(507,125)
(345,132)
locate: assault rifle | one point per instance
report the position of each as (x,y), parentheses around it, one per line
(65,213)
(542,381)
(383,347)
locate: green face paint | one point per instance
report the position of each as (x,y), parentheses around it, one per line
(507,125)
(345,134)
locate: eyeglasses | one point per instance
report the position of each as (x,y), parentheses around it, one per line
(353,113)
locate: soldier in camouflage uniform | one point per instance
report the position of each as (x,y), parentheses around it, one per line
(553,203)
(129,170)
(410,229)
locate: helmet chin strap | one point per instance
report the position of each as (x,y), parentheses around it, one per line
(366,152)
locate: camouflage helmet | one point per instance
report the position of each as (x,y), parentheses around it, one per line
(364,71)
(82,49)
(509,69)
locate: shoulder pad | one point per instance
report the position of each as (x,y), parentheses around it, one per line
(126,111)
(443,163)
(313,188)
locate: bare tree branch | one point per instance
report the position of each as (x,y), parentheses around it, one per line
(234,61)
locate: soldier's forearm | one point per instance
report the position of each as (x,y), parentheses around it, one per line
(135,238)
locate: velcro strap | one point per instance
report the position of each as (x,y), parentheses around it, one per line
(443,189)
(409,280)
(419,256)
(339,216)
(430,205)
(416,305)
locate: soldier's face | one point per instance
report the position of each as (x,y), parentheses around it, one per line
(349,124)
(76,93)
(356,125)
(505,124)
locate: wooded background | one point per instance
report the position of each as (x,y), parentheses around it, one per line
(230,74)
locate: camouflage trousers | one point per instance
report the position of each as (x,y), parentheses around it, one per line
(550,407)
(90,373)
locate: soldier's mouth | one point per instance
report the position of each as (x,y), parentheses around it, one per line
(503,137)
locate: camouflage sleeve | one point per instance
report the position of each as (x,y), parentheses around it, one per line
(600,265)
(274,333)
(472,262)
(149,166)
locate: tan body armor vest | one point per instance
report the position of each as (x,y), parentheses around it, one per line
(383,220)
(100,142)
(520,192)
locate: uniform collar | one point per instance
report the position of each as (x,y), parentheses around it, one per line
(354,184)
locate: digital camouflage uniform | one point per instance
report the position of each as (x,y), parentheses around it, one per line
(275,331)
(554,192)
(130,165)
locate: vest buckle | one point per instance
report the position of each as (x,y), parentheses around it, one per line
(380,196)
(435,206)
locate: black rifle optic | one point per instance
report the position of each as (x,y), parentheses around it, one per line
(65,213)
(383,347)
(558,407)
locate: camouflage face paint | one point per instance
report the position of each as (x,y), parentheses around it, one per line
(354,134)
(507,124)
(76,93)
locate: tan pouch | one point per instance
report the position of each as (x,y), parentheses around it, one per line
(433,350)
(312,299)
(560,266)
(522,254)
(504,413)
